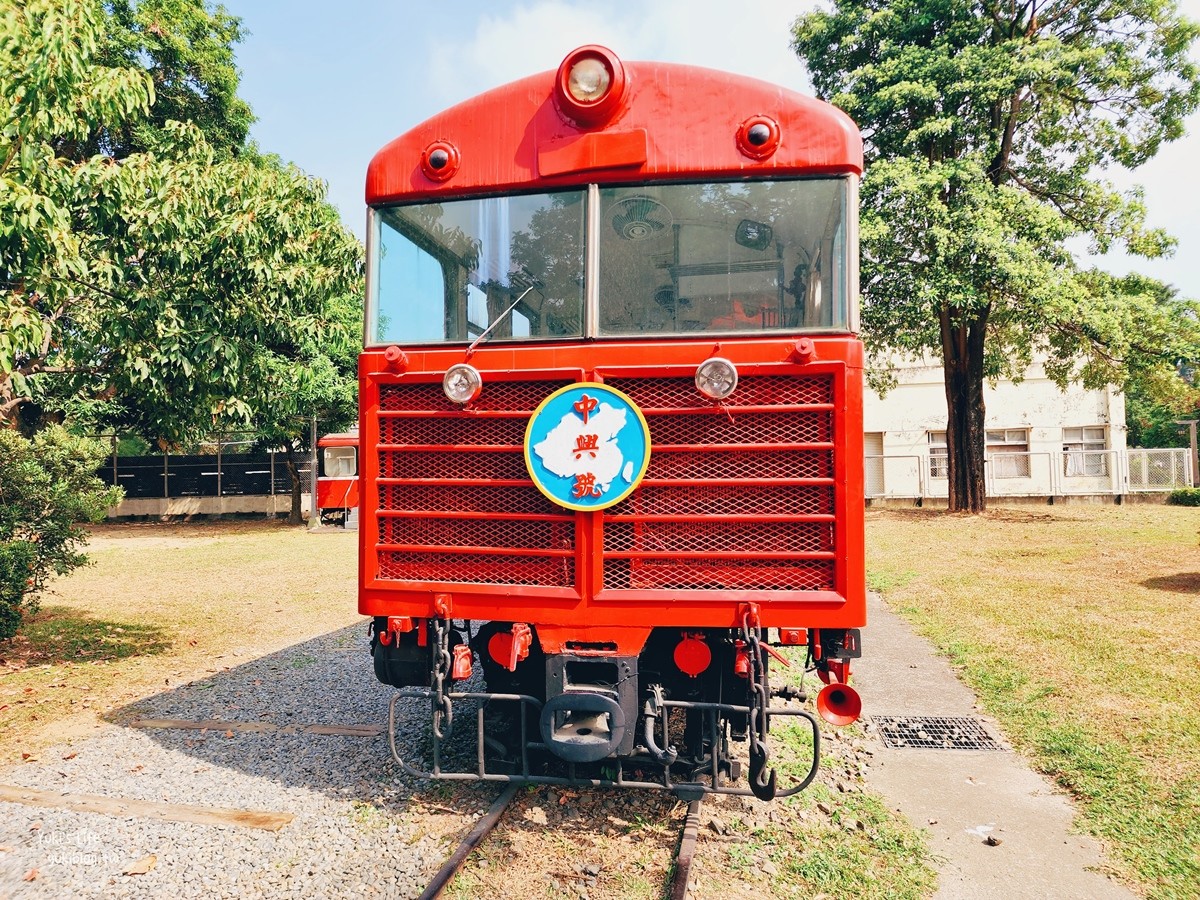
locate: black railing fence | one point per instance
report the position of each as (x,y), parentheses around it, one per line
(209,475)
(204,475)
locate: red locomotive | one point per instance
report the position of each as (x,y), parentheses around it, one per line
(612,423)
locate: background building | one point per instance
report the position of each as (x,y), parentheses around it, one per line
(1041,441)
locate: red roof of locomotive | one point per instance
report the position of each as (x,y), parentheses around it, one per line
(674,121)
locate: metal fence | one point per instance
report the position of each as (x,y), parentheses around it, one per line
(224,482)
(1159,470)
(206,475)
(1042,474)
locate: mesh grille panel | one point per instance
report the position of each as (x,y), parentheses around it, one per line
(465,498)
(689,500)
(515,569)
(408,423)
(741,464)
(502,396)
(490,532)
(755,538)
(468,430)
(707,574)
(742,428)
(452,466)
(771,390)
(519,522)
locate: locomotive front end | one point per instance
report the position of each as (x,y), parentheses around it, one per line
(612,424)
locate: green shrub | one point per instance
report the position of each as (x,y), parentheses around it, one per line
(48,487)
(1185,497)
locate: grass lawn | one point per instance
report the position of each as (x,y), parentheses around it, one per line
(163,604)
(1079,627)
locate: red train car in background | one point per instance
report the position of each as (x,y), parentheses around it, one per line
(337,478)
(611,425)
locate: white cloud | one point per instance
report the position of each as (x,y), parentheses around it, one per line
(533,37)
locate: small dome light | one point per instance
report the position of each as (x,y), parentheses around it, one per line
(716,378)
(440,160)
(589,79)
(758,134)
(758,137)
(462,384)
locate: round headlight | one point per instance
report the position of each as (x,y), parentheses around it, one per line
(590,85)
(462,384)
(589,79)
(716,378)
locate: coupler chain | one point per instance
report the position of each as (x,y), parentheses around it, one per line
(443,711)
(762,779)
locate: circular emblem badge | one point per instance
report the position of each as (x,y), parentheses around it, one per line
(587,446)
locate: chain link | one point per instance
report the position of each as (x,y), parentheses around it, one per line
(443,713)
(762,779)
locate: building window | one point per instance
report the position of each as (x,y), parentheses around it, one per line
(1084,451)
(873,445)
(1008,452)
(939,459)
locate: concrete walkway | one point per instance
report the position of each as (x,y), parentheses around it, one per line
(964,796)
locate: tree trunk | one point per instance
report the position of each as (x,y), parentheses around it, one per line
(296,516)
(962,366)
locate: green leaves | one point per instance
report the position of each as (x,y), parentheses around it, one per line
(47,487)
(987,128)
(157,294)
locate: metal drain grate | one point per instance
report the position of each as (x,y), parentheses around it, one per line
(934,733)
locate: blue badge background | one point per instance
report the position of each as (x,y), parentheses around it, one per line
(633,441)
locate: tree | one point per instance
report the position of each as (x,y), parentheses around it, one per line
(985,126)
(142,295)
(186,48)
(49,89)
(319,380)
(47,486)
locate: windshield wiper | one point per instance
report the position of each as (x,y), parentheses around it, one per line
(534,283)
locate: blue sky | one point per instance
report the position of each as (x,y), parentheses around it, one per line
(332,81)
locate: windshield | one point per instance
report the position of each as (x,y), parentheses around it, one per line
(671,259)
(723,257)
(510,266)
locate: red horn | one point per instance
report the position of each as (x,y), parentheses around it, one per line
(839,704)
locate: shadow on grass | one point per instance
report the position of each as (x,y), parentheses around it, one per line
(59,634)
(1180,583)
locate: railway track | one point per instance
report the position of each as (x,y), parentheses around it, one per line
(680,877)
(680,872)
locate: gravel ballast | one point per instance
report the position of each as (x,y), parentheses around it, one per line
(357,831)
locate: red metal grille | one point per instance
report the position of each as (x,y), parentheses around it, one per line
(472,569)
(465,498)
(456,429)
(733,427)
(485,543)
(715,575)
(740,543)
(491,532)
(503,396)
(452,465)
(744,515)
(766,390)
(687,501)
(741,464)
(706,538)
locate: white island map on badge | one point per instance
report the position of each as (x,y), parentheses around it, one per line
(574,447)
